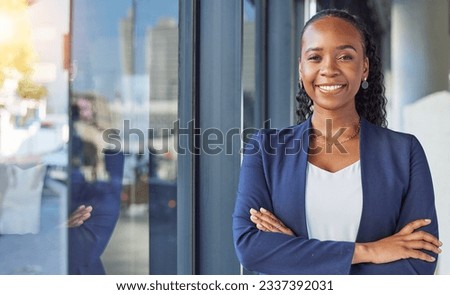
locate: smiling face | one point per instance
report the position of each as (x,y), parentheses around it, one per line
(332,64)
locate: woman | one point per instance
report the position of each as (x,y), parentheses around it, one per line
(337,193)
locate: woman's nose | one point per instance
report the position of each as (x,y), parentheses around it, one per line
(329,67)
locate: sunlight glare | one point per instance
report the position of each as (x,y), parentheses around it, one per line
(6,27)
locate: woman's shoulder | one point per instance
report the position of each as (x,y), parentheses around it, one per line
(389,136)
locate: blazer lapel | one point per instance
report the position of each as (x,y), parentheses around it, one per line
(302,229)
(369,170)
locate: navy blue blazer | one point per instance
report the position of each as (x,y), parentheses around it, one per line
(397,189)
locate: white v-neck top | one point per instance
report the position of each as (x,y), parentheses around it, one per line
(333,202)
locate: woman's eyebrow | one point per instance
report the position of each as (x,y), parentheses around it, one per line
(340,47)
(346,46)
(313,49)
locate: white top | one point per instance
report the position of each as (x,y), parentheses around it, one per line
(333,203)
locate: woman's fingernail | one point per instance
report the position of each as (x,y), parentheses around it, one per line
(432,259)
(440,243)
(253,217)
(263,210)
(427,220)
(253,211)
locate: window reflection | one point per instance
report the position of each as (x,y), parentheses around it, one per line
(248,69)
(96,182)
(33,137)
(163,68)
(123,164)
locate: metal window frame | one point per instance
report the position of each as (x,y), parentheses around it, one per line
(210,79)
(277,61)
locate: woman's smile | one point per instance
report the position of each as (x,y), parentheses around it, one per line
(330,88)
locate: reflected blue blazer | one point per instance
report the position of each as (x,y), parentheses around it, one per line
(88,242)
(397,189)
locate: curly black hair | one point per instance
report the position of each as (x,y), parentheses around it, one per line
(371,102)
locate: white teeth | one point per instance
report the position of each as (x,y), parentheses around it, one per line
(330,87)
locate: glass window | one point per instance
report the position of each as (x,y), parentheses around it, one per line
(33,136)
(123,106)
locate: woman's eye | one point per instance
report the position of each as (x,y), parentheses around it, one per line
(314,58)
(346,57)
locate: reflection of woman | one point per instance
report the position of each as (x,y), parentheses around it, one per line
(95,187)
(91,229)
(338,193)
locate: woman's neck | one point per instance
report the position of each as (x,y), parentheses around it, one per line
(329,121)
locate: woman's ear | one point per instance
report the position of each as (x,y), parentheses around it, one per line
(299,69)
(366,68)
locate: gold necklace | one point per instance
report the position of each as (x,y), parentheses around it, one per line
(357,129)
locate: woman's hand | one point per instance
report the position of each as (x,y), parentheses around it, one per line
(268,222)
(79,216)
(407,243)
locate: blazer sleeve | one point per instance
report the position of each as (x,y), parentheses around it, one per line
(418,203)
(88,241)
(276,253)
